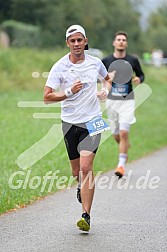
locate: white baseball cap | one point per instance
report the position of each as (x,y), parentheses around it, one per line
(74,29)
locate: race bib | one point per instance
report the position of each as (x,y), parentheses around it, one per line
(96,126)
(119,89)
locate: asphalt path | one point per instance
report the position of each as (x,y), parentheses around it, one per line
(127,215)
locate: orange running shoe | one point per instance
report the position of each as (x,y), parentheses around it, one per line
(119,171)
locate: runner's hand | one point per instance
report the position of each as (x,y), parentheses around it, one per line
(102,95)
(136,80)
(77,86)
(112,75)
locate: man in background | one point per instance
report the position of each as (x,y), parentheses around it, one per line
(120,103)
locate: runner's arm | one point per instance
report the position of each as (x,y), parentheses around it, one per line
(139,78)
(50,95)
(107,84)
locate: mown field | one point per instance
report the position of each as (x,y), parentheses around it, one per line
(21,128)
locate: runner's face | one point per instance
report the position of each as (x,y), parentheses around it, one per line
(76,43)
(120,43)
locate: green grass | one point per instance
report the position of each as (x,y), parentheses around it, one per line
(17,66)
(19,130)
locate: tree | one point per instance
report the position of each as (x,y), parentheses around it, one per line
(5,10)
(101,18)
(157,32)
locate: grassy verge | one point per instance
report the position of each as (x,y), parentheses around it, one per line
(19,131)
(18,65)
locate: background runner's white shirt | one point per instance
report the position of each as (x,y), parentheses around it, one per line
(84,105)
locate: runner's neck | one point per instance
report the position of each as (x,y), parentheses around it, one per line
(119,54)
(76,59)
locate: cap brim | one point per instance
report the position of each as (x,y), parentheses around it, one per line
(86,47)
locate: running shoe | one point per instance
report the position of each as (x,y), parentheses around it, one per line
(119,171)
(84,222)
(79,195)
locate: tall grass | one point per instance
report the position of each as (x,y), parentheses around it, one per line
(17,66)
(19,130)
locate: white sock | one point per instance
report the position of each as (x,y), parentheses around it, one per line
(122,159)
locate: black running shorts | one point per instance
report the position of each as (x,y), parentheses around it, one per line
(77,138)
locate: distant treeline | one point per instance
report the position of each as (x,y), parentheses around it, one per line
(42,23)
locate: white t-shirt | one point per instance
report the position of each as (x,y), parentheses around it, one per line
(84,105)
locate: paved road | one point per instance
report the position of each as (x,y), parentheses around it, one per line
(127,215)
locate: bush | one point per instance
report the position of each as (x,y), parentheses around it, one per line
(21,34)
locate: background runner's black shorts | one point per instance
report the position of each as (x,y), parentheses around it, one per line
(77,138)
